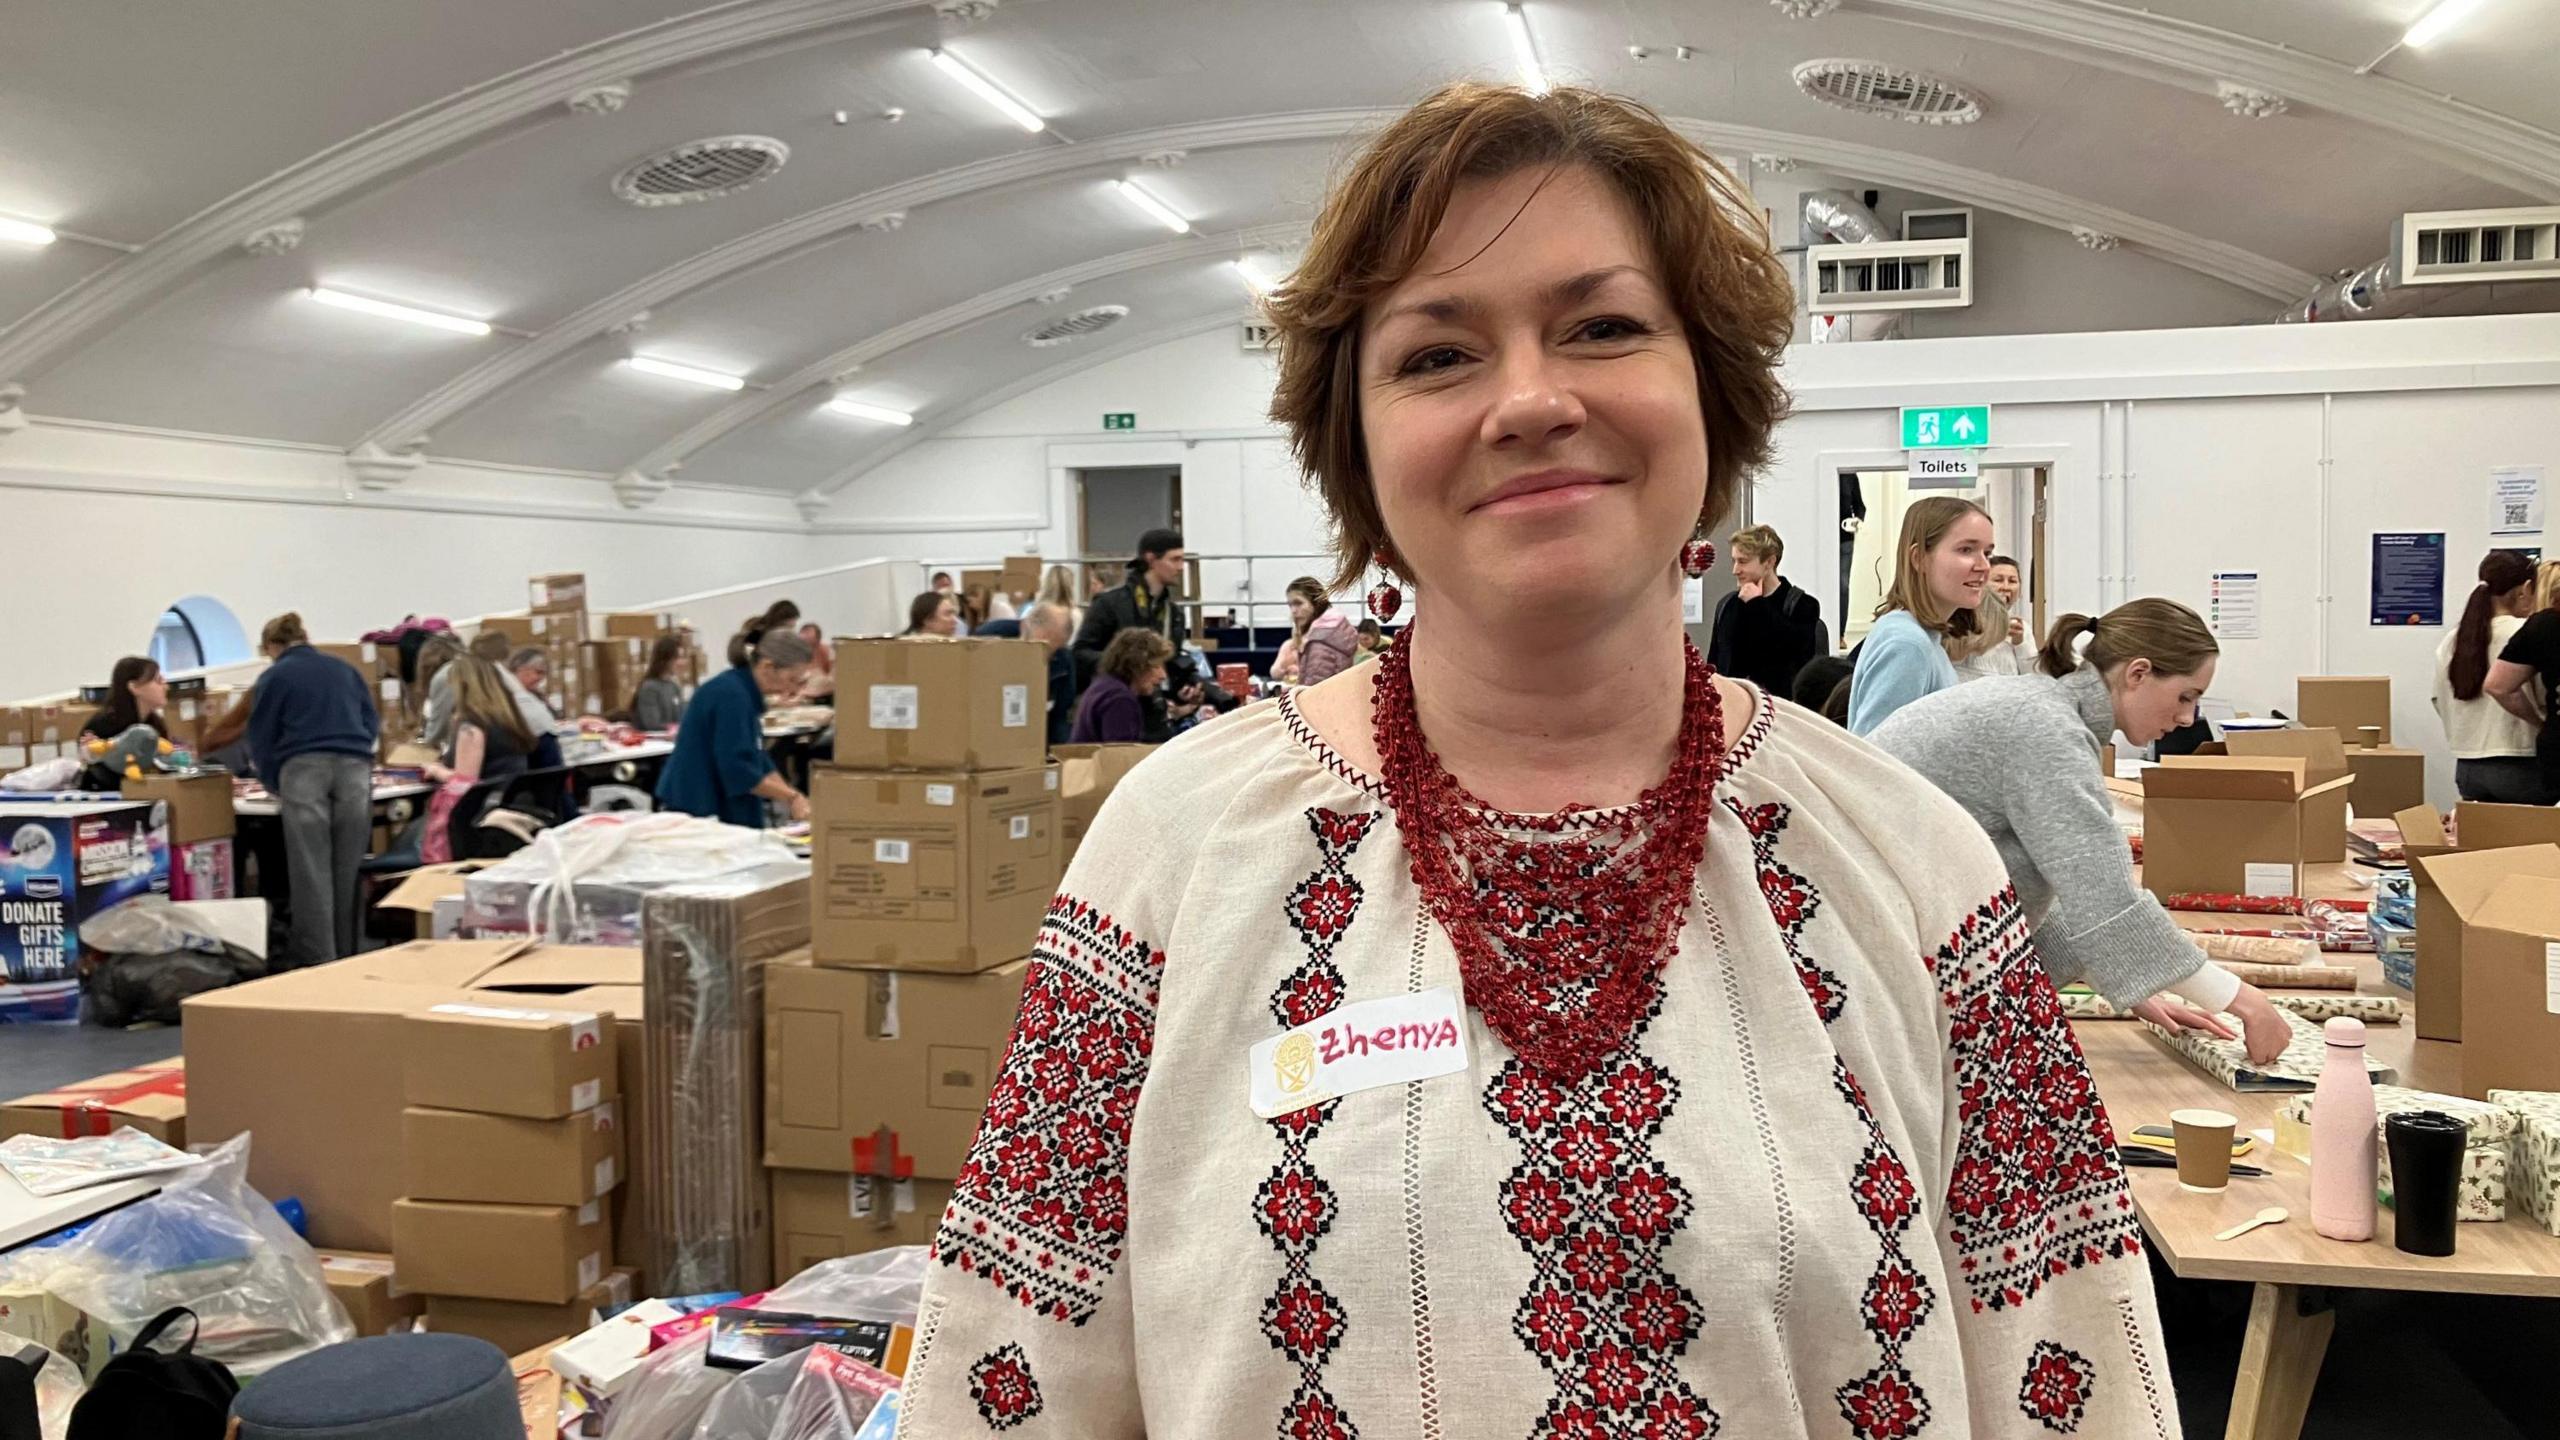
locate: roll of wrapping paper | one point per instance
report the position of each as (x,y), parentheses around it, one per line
(2357,941)
(2261,949)
(2222,904)
(2295,977)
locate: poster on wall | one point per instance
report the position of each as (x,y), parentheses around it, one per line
(2515,500)
(2408,577)
(2233,610)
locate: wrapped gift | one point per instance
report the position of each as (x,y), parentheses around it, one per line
(2297,1068)
(2371,1009)
(2079,1002)
(2481,1192)
(2533,1153)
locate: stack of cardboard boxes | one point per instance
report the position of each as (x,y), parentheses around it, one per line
(561,602)
(936,855)
(511,1147)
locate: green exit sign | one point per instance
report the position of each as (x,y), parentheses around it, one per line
(1120,420)
(1945,427)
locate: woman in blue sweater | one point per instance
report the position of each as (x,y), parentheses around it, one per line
(720,769)
(1940,567)
(312,729)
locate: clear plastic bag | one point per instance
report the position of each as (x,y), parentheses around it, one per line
(881,1285)
(582,882)
(666,1399)
(746,1408)
(831,1398)
(58,1385)
(148,925)
(47,1166)
(214,1245)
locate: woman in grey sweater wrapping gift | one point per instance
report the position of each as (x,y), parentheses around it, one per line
(2020,754)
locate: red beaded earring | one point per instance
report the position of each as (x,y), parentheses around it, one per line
(1699,555)
(1386,598)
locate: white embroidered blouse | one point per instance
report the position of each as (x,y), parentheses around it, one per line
(1848,1178)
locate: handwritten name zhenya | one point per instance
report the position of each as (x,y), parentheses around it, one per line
(1345,1042)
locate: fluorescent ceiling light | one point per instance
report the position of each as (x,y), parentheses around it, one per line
(415,316)
(988,90)
(2432,25)
(881,414)
(25,232)
(1533,76)
(1155,209)
(673,371)
(1250,267)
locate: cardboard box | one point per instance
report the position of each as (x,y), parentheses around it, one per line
(2207,818)
(516,1326)
(199,804)
(14,734)
(2344,703)
(312,1061)
(2324,758)
(818,1215)
(2422,835)
(465,1155)
(850,1052)
(941,704)
(2505,906)
(933,871)
(2388,781)
(644,626)
(365,1283)
(423,895)
(364,655)
(564,594)
(150,1098)
(539,1254)
(1022,576)
(541,630)
(53,730)
(187,718)
(541,1063)
(613,670)
(1087,774)
(67,861)
(988,580)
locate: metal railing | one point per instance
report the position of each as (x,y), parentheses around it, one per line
(1190,597)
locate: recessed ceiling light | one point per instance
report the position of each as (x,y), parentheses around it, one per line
(1524,48)
(2432,25)
(673,371)
(978,84)
(458,324)
(25,232)
(1153,208)
(879,414)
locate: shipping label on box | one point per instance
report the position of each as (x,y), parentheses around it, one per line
(510,1060)
(941,704)
(934,871)
(62,864)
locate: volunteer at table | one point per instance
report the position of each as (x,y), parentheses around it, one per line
(1940,566)
(2020,754)
(136,694)
(312,729)
(720,768)
(658,702)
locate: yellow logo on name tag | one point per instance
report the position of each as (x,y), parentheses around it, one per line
(1294,1064)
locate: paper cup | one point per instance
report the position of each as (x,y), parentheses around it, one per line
(2204,1149)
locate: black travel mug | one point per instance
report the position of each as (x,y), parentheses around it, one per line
(2426,1173)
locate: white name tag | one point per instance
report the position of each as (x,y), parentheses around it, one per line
(1391,1041)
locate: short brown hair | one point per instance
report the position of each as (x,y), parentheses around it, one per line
(1760,543)
(1133,652)
(1735,303)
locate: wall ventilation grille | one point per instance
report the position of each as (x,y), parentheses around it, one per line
(1905,275)
(1260,335)
(2454,247)
(1068,328)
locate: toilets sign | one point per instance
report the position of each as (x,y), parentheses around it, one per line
(1946,427)
(1943,470)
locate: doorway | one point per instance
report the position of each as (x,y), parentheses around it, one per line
(1117,504)
(2015,495)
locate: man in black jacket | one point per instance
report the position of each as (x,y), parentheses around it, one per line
(1147,599)
(1767,629)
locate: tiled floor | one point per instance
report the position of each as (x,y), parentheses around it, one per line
(2401,1367)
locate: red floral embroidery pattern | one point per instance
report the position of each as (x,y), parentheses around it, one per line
(1294,1206)
(1041,1206)
(1001,1383)
(2036,1190)
(1885,1402)
(2056,1389)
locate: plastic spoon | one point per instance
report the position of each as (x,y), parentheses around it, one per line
(2272,1215)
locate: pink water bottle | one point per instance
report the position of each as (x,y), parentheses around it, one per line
(2342,1144)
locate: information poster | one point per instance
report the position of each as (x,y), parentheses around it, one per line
(2515,500)
(2233,610)
(2408,577)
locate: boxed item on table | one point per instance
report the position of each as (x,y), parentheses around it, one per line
(523,894)
(973,704)
(2533,1153)
(2324,759)
(516,1326)
(947,871)
(745,1336)
(150,1098)
(822,1215)
(603,1357)
(2348,704)
(466,1155)
(2231,824)
(850,1053)
(2481,1195)
(540,1254)
(63,862)
(367,1284)
(53,730)
(2490,963)
(1087,774)
(541,1063)
(2388,779)
(705,949)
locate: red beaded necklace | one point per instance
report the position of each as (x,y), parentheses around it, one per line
(1561,935)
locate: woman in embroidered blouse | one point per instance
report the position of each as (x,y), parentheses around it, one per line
(1737,1102)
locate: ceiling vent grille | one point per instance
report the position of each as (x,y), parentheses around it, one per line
(1892,275)
(703,170)
(1074,327)
(1872,87)
(2453,247)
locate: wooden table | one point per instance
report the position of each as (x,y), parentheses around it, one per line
(2142,1080)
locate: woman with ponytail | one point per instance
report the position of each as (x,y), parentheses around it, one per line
(2020,754)
(2493,747)
(720,768)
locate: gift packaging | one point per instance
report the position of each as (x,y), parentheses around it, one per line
(2297,1068)
(2482,1193)
(2533,1153)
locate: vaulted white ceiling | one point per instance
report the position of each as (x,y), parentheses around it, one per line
(208,164)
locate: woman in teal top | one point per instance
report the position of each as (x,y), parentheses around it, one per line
(1943,561)
(720,768)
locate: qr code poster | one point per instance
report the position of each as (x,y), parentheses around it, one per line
(2515,500)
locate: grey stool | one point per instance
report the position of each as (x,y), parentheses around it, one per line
(388,1387)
